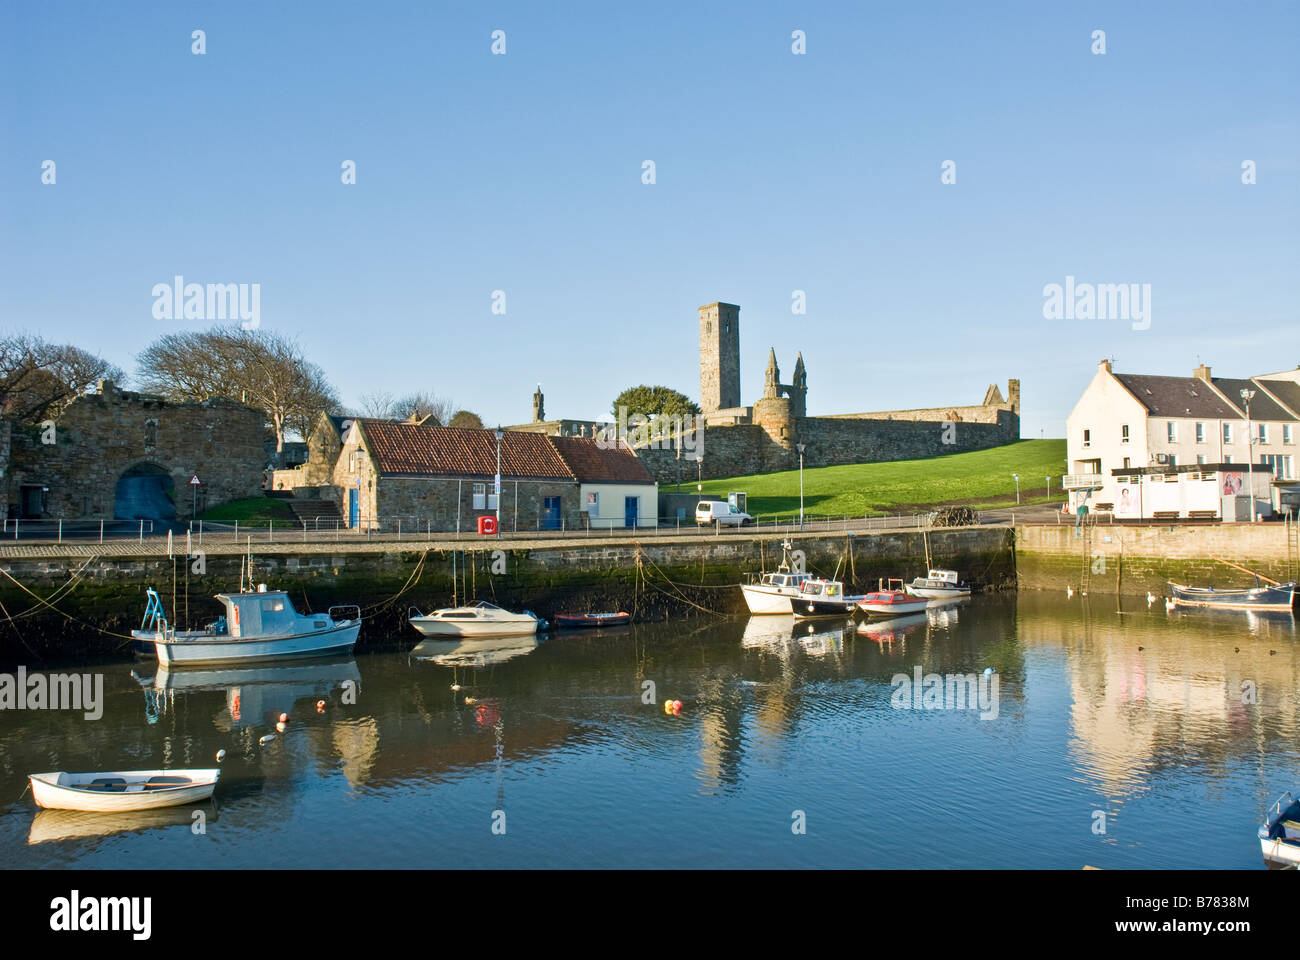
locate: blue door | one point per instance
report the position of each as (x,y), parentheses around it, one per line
(354,509)
(629,510)
(551,513)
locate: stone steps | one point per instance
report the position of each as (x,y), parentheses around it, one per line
(307,511)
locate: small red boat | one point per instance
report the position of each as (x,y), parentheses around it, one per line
(592,619)
(891,603)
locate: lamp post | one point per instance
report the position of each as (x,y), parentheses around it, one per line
(497,482)
(1049,488)
(801,447)
(1016,477)
(1248,395)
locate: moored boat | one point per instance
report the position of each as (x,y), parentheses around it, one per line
(1278,598)
(257,626)
(771,593)
(891,603)
(938,585)
(481,620)
(117,791)
(1279,835)
(822,598)
(590,620)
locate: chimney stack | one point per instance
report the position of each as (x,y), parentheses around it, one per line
(1106,365)
(1202,373)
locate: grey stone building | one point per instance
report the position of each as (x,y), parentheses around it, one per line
(118,454)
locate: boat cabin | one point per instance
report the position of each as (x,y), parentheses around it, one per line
(948,577)
(266,614)
(784,579)
(830,589)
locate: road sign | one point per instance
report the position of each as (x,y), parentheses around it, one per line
(497,485)
(194,480)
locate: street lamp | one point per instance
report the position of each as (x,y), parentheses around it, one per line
(1016,477)
(801,448)
(1049,488)
(497,483)
(1248,395)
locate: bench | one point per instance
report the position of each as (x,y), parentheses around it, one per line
(1165,515)
(1202,514)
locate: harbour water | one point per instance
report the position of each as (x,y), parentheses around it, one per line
(1121,736)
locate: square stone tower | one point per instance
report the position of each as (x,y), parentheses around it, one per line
(719,356)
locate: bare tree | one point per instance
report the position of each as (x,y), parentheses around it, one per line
(427,407)
(38,378)
(377,404)
(257,367)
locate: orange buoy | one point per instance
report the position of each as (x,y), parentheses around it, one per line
(284,718)
(677,706)
(320,706)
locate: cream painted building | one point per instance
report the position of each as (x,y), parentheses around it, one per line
(1137,429)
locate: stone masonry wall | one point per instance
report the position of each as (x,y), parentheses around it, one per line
(98,437)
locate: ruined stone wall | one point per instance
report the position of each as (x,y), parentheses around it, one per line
(99,437)
(733,451)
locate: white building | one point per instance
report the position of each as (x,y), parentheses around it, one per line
(1130,431)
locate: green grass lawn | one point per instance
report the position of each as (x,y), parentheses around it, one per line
(253,512)
(981,479)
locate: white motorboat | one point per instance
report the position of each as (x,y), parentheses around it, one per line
(481,620)
(117,791)
(938,585)
(1279,836)
(822,598)
(891,603)
(257,626)
(772,593)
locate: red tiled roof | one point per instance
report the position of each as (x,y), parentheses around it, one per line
(411,449)
(591,464)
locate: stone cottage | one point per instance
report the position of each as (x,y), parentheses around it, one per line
(442,479)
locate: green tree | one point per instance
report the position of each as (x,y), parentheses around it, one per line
(466,420)
(654,402)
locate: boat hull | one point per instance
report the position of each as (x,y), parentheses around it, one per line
(434,627)
(208,650)
(54,791)
(937,593)
(590,621)
(1278,599)
(900,609)
(807,609)
(768,601)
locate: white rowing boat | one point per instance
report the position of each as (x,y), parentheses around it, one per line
(481,620)
(121,790)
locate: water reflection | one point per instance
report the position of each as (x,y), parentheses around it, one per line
(51,825)
(1104,704)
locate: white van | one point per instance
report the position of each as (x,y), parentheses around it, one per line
(721,513)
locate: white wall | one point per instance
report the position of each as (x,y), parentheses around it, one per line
(610,503)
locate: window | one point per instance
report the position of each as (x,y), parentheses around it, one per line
(1286,433)
(1087,438)
(1200,433)
(1127,463)
(1263,433)
(1227,436)
(1227,458)
(1171,461)
(592,506)
(493,501)
(1123,434)
(480,496)
(1200,458)
(1171,431)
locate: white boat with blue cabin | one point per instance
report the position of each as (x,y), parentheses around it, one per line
(258,626)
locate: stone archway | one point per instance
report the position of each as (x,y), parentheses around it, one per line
(145,492)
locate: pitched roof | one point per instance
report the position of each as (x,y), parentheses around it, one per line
(592,464)
(1177,396)
(414,449)
(1285,390)
(1262,406)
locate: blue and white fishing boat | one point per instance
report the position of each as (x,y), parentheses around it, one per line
(258,626)
(1279,835)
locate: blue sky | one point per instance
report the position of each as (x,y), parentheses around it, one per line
(775,173)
